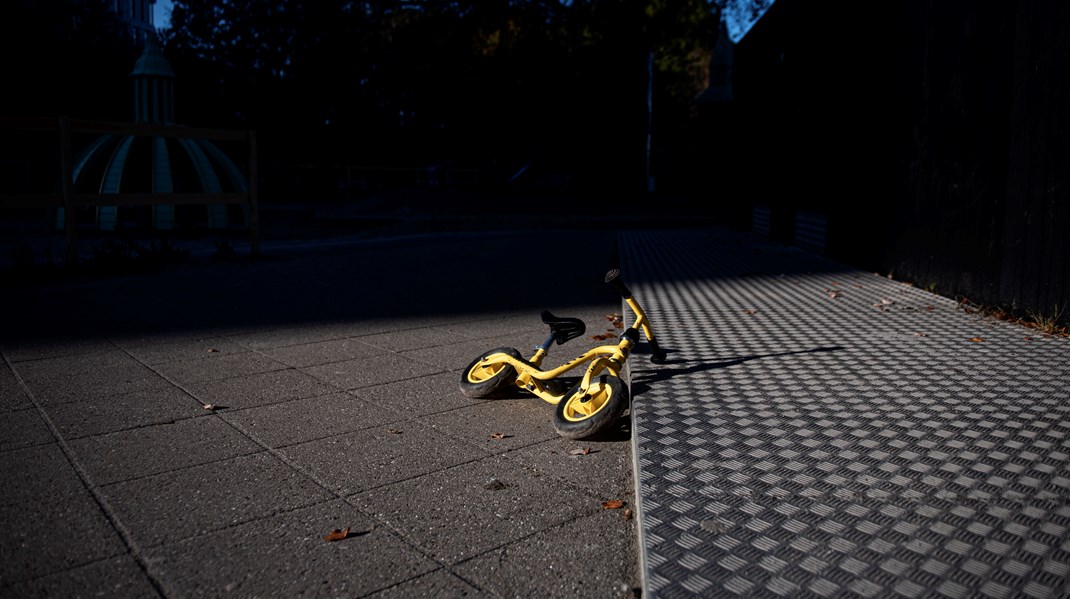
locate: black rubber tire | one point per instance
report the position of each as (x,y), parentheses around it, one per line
(605,417)
(498,382)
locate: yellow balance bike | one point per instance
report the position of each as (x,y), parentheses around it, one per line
(596,400)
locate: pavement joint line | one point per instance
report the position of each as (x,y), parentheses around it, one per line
(8,584)
(441,568)
(341,434)
(113,519)
(136,427)
(224,410)
(179,469)
(30,446)
(590,512)
(422,474)
(226,527)
(86,400)
(335,386)
(232,337)
(584,490)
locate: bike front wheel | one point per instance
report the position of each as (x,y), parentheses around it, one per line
(583,414)
(481,380)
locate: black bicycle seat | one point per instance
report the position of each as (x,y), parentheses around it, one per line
(563,329)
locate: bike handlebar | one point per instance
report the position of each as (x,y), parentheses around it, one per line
(613,278)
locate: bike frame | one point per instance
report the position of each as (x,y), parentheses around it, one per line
(532,378)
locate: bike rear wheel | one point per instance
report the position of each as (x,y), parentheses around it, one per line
(479,380)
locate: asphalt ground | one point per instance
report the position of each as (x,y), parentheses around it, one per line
(332,369)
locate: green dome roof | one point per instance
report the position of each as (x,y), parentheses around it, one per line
(152,62)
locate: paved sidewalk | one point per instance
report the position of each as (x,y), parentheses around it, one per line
(818,432)
(333,372)
(824,432)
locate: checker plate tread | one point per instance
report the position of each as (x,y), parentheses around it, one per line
(825,432)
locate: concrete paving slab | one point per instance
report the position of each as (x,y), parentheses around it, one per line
(440,583)
(37,473)
(118,578)
(285,556)
(373,370)
(400,341)
(52,384)
(522,421)
(174,335)
(458,355)
(375,457)
(517,322)
(184,350)
(218,367)
(30,350)
(209,521)
(259,389)
(605,472)
(166,508)
(369,326)
(418,396)
(461,512)
(159,448)
(73,364)
(12,395)
(121,412)
(303,420)
(31,528)
(27,429)
(322,352)
(286,336)
(591,556)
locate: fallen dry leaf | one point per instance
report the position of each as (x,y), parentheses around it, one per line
(628,514)
(394,431)
(612,504)
(977,339)
(213,351)
(750,312)
(1027,338)
(600,337)
(499,436)
(832,294)
(210,406)
(337,535)
(921,334)
(584,451)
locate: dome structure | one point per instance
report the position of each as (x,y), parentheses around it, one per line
(114,163)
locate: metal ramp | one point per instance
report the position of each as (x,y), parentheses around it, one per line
(825,432)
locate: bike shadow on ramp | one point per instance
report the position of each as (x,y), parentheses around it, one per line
(642,379)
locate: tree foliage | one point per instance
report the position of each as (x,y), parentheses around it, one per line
(63,57)
(532,69)
(412,80)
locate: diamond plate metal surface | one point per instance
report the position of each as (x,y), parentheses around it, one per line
(824,432)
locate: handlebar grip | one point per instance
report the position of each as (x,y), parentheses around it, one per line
(613,278)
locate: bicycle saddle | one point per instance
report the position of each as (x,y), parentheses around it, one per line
(563,329)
